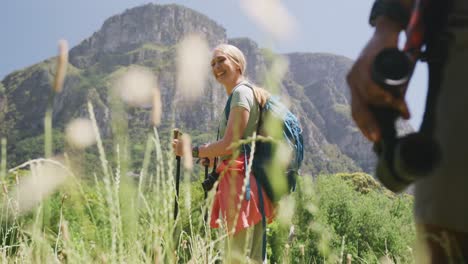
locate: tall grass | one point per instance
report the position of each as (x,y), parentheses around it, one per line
(89,223)
(55,210)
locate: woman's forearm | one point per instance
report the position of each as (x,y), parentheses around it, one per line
(237,123)
(218,148)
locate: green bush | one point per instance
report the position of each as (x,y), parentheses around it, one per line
(354,216)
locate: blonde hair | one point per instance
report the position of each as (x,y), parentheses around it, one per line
(237,56)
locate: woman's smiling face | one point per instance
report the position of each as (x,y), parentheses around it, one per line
(224,69)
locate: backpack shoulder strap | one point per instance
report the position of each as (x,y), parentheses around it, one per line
(227,108)
(260,113)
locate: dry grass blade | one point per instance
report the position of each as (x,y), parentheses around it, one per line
(276,73)
(286,209)
(271,16)
(188,159)
(3,157)
(284,153)
(193,57)
(156,114)
(62,62)
(64,231)
(386,260)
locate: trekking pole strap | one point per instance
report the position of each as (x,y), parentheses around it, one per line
(206,177)
(247,187)
(262,210)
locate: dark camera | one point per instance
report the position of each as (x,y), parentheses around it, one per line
(209,182)
(401,160)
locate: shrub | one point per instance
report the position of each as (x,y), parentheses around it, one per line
(355,212)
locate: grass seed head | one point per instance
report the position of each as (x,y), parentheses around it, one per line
(62,63)
(193,59)
(80,134)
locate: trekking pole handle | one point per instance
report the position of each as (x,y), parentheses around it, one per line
(176,135)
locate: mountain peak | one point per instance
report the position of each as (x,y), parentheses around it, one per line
(163,25)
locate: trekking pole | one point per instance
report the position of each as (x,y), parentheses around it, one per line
(176,134)
(206,164)
(206,176)
(205,217)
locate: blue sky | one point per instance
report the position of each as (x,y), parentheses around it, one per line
(30,29)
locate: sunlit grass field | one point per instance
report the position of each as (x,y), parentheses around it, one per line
(53,214)
(66,208)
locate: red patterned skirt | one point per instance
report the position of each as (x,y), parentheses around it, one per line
(227,198)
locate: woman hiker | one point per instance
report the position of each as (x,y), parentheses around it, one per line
(228,66)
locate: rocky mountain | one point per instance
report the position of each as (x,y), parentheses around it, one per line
(147,36)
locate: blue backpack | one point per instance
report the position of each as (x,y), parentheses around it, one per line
(265,151)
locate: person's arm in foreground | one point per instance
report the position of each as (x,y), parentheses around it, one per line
(364,91)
